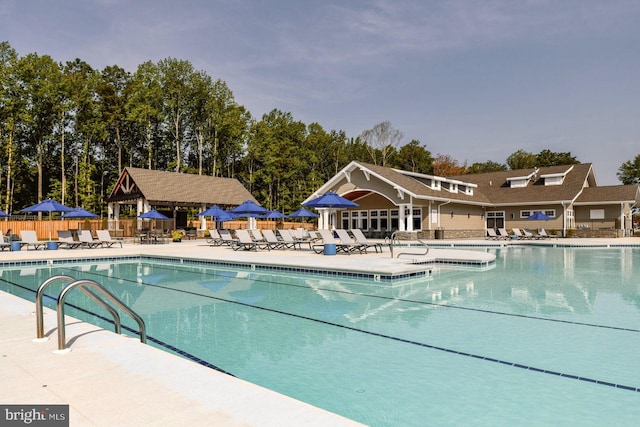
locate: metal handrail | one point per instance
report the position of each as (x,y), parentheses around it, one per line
(87,287)
(394,239)
(83,284)
(88,292)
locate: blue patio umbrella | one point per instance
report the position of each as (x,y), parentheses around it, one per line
(302,213)
(330,200)
(274,214)
(249,208)
(153,214)
(213,211)
(47,205)
(3,214)
(217,213)
(539,216)
(79,213)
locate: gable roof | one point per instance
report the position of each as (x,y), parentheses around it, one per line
(181,189)
(551,184)
(609,194)
(495,185)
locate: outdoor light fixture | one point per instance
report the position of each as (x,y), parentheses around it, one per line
(451,214)
(468,215)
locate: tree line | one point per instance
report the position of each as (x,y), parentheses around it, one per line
(67,130)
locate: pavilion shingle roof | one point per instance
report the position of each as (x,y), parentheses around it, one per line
(159,187)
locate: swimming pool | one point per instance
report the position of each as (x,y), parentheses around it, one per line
(548,336)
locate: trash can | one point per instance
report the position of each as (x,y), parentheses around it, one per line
(329,248)
(52,246)
(439,234)
(15,246)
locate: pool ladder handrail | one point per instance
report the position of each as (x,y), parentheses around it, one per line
(84,285)
(395,240)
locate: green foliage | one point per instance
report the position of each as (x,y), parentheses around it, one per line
(549,158)
(629,171)
(414,157)
(67,130)
(521,160)
(488,166)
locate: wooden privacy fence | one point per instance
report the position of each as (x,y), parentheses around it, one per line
(127,226)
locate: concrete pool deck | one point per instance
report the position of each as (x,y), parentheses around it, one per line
(109,379)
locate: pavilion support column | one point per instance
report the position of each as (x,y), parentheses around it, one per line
(203,219)
(141,207)
(116,216)
(110,217)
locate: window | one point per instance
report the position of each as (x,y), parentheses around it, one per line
(375,225)
(495,214)
(384,221)
(417,219)
(363,222)
(551,213)
(345,219)
(394,219)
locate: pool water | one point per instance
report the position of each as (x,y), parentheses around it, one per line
(549,336)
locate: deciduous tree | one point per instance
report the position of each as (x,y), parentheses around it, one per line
(629,172)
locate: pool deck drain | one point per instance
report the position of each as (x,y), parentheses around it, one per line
(109,379)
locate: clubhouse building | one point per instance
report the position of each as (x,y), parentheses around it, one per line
(465,206)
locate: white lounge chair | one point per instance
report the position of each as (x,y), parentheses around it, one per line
(361,239)
(328,239)
(30,238)
(214,238)
(256,235)
(542,234)
(104,237)
(4,242)
(520,235)
(272,240)
(348,242)
(491,234)
(503,233)
(245,242)
(291,241)
(66,241)
(86,239)
(226,237)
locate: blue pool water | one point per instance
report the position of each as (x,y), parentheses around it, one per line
(549,336)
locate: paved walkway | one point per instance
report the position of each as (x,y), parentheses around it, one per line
(110,380)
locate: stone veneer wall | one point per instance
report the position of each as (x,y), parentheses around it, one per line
(599,233)
(444,233)
(481,234)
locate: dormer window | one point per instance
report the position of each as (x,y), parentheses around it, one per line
(521,181)
(555,178)
(518,183)
(466,190)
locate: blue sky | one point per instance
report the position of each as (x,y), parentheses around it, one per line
(474,79)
